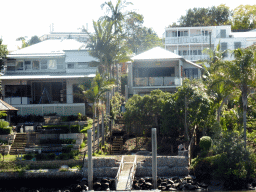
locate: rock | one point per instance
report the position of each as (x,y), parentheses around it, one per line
(172,189)
(203,185)
(189,186)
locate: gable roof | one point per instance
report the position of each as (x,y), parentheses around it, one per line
(48,48)
(156,53)
(159,53)
(6,107)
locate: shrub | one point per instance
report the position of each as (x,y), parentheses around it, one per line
(67,149)
(205,143)
(73,153)
(63,156)
(68,141)
(41,156)
(51,156)
(75,129)
(5,131)
(61,128)
(82,145)
(4,124)
(28,156)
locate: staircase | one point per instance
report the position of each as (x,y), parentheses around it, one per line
(18,146)
(117,146)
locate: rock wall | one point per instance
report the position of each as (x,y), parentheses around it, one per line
(106,167)
(166,166)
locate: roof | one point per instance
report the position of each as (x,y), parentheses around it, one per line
(159,53)
(6,107)
(47,76)
(49,47)
(156,53)
(248,34)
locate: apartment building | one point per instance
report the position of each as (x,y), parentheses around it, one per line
(190,42)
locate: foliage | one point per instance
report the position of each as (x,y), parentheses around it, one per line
(28,156)
(244,17)
(3,53)
(34,39)
(212,16)
(28,118)
(5,131)
(205,143)
(229,120)
(51,156)
(124,81)
(115,104)
(67,149)
(75,129)
(59,128)
(4,124)
(57,141)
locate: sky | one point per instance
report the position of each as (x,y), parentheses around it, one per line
(20,18)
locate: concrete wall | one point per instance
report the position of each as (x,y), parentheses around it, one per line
(166,166)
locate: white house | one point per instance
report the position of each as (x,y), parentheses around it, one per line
(42,78)
(159,69)
(189,42)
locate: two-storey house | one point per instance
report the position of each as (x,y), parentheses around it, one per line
(159,69)
(42,78)
(189,42)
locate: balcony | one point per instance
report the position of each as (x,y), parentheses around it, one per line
(196,57)
(187,40)
(157,81)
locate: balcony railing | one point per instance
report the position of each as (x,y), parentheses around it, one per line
(157,81)
(184,40)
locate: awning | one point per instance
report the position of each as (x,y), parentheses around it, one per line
(31,77)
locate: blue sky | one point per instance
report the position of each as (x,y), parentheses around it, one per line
(34,17)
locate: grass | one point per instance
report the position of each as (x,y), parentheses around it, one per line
(89,126)
(8,157)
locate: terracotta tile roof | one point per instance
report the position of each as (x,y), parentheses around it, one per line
(6,107)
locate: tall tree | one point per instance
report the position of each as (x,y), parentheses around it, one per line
(241,74)
(115,14)
(205,16)
(244,17)
(3,53)
(35,39)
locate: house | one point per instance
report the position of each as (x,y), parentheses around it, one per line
(42,78)
(189,42)
(159,69)
(79,36)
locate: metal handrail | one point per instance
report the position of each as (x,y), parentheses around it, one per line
(131,175)
(121,166)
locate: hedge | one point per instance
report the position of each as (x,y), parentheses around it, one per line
(5,131)
(63,128)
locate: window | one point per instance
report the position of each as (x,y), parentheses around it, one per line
(174,33)
(237,45)
(223,33)
(35,65)
(191,73)
(17,91)
(19,65)
(27,65)
(199,52)
(82,65)
(180,52)
(52,64)
(43,64)
(194,52)
(185,52)
(71,65)
(224,47)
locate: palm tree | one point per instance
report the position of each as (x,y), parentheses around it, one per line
(95,93)
(241,75)
(116,13)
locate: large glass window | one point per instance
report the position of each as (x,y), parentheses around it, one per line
(27,65)
(52,64)
(17,91)
(156,72)
(35,65)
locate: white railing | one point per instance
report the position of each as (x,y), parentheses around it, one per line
(196,57)
(121,166)
(131,175)
(184,40)
(157,81)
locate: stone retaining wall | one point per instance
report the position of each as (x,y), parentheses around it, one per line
(97,163)
(166,166)
(53,173)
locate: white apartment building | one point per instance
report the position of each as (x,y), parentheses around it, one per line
(189,42)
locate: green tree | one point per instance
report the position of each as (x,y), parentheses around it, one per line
(35,39)
(206,16)
(3,53)
(240,74)
(244,17)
